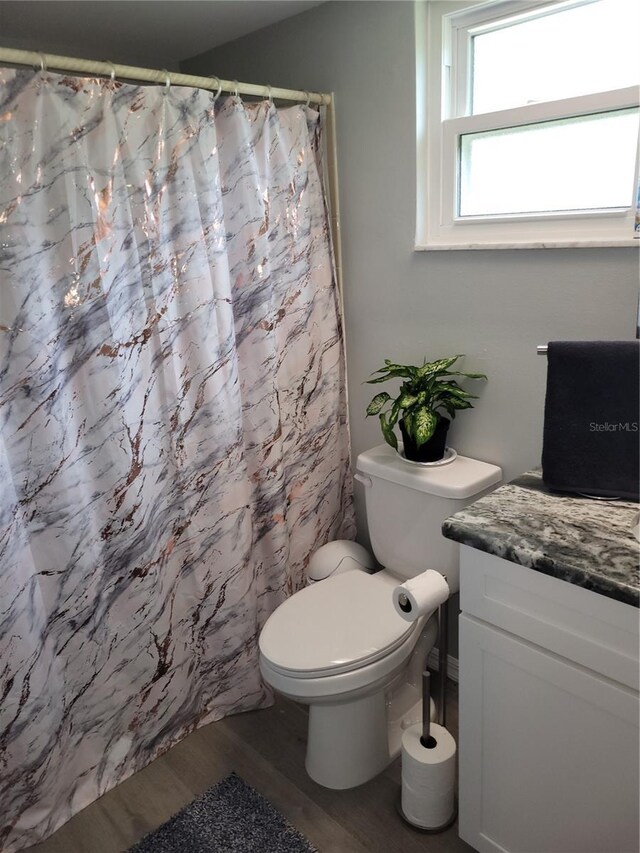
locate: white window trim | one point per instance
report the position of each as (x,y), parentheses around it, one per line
(436,226)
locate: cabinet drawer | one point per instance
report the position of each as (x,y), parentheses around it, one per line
(582,626)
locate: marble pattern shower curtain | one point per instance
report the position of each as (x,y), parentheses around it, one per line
(173,423)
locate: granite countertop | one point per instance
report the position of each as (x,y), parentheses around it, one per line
(584,541)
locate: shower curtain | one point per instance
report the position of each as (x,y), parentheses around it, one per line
(174,441)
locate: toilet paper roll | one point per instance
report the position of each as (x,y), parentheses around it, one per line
(420,595)
(428,777)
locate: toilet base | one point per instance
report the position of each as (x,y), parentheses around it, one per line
(347,743)
(354,739)
(351,742)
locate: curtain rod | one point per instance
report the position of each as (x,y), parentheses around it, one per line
(106,69)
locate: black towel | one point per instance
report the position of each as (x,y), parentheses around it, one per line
(591,437)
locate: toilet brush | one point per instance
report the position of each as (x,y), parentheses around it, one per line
(427,798)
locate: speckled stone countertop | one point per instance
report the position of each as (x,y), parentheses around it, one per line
(587,542)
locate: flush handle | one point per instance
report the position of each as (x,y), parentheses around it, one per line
(366,481)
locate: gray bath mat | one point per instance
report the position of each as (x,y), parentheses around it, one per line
(229,818)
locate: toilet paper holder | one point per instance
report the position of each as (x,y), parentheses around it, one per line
(410,602)
(426,739)
(443,663)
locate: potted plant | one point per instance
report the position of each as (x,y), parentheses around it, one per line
(426,392)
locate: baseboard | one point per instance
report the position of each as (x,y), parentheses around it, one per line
(452,664)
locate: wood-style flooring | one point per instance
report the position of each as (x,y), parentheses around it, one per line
(266,748)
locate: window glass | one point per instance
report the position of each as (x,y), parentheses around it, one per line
(576,51)
(568,164)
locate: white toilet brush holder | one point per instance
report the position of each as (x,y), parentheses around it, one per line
(427,797)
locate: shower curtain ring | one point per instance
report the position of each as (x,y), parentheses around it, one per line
(236,94)
(308,101)
(43,61)
(167,78)
(219,85)
(270,95)
(112,75)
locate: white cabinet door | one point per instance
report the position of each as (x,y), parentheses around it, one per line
(548,750)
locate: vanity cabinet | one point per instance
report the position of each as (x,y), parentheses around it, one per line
(548,739)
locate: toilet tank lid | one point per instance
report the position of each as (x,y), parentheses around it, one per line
(462,478)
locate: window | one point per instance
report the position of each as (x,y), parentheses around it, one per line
(527,123)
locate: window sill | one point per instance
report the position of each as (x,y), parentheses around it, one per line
(529,244)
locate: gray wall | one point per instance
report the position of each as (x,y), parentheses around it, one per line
(496,306)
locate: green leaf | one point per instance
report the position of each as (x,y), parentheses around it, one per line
(445,389)
(424,425)
(467,375)
(440,386)
(401,371)
(377,403)
(460,404)
(394,372)
(437,366)
(450,408)
(387,432)
(408,368)
(407,418)
(407,399)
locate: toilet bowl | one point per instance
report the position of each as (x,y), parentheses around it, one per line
(340,647)
(351,662)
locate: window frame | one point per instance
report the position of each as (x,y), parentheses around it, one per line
(443,92)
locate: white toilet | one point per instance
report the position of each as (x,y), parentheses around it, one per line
(340,647)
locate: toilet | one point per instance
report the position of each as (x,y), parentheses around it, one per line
(339,646)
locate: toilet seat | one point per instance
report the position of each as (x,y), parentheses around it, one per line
(338,625)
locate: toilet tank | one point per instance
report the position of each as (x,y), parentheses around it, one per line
(406,504)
